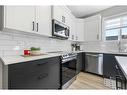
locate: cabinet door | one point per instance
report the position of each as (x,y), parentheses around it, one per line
(67,15)
(80,30)
(79,62)
(61,13)
(19,18)
(120,79)
(72,36)
(109,66)
(112,70)
(58,13)
(93,28)
(43,20)
(38,74)
(1,74)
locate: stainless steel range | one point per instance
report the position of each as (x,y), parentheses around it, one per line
(68,69)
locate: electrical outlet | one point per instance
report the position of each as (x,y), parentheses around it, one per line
(16,48)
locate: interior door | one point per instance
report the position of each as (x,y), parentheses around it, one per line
(19,17)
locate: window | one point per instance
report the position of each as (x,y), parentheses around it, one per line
(115,28)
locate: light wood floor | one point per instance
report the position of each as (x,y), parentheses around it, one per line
(88,81)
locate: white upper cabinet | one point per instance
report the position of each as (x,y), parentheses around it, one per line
(80,31)
(19,18)
(64,15)
(67,14)
(29,19)
(43,20)
(57,13)
(93,28)
(76,29)
(72,35)
(61,14)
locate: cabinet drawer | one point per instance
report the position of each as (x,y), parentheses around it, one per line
(47,78)
(38,74)
(33,66)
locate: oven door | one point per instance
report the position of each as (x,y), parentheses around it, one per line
(68,70)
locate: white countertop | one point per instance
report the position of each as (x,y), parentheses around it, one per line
(7,60)
(122,60)
(17,59)
(108,52)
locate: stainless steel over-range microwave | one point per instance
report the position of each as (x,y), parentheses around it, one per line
(60,30)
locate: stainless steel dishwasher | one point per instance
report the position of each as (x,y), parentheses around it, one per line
(94,63)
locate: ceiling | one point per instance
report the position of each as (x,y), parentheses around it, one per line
(85,11)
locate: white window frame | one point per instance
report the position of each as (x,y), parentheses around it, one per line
(103,27)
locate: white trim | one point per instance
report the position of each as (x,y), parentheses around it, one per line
(4,16)
(103,26)
(103,32)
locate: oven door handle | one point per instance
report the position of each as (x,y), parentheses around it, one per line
(69,59)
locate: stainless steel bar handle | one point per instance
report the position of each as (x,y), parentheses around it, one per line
(72,37)
(68,59)
(37,27)
(33,26)
(97,36)
(92,55)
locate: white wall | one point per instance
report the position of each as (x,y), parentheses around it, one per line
(113,11)
(10,42)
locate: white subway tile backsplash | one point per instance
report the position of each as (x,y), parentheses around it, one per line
(101,46)
(7,42)
(5,36)
(11,52)
(1,53)
(14,43)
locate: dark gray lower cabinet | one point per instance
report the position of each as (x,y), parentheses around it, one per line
(120,79)
(109,66)
(112,70)
(79,62)
(38,74)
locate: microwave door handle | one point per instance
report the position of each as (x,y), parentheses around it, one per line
(66,31)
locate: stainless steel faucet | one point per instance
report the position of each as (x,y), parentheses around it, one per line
(119,46)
